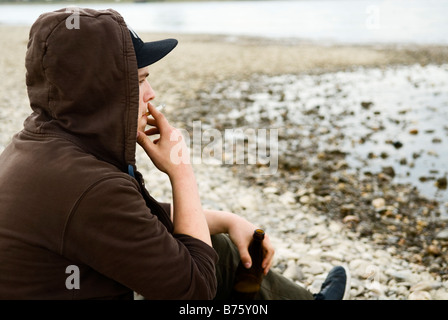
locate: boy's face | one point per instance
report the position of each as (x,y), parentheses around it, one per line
(146,95)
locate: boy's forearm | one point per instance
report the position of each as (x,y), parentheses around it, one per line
(188,216)
(219,221)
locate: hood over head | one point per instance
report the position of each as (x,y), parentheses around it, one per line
(83,82)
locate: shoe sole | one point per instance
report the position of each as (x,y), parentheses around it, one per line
(347,284)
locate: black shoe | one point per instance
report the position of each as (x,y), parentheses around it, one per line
(336,286)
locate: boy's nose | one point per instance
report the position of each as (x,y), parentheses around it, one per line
(149,93)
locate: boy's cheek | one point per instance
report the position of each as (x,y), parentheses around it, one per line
(141,124)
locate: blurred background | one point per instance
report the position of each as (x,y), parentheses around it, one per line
(340,21)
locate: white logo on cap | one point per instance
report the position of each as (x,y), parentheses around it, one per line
(132,31)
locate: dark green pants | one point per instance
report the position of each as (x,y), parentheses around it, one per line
(273,287)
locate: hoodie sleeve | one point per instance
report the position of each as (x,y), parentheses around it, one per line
(166,207)
(113,231)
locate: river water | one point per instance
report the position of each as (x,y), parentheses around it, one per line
(328,21)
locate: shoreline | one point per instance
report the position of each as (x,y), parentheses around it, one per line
(308,242)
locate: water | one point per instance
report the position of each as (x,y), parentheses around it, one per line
(329,21)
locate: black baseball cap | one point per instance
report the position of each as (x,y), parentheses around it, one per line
(148,53)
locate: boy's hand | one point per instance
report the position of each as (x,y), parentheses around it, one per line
(241,233)
(169,152)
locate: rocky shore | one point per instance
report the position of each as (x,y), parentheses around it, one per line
(324,205)
(326,208)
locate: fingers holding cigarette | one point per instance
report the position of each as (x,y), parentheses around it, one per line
(157,120)
(159,108)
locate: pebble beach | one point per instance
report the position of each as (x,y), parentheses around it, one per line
(358,178)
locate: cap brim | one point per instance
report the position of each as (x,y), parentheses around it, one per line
(151,52)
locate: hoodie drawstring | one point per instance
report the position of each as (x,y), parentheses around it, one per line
(131,170)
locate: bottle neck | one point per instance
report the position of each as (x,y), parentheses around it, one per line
(258,235)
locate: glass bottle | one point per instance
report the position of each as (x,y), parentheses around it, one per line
(248,281)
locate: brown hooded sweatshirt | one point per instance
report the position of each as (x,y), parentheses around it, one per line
(70,195)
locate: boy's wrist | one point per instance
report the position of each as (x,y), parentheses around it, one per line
(181,171)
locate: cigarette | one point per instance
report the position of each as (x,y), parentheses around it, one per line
(158,108)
